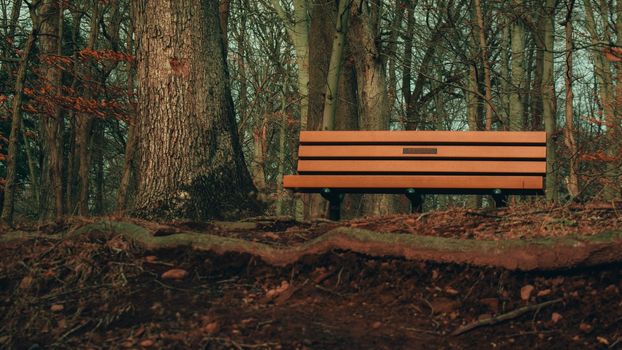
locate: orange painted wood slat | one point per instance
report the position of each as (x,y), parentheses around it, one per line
(525,137)
(405,151)
(414,181)
(422,166)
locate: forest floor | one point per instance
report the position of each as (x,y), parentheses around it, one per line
(103,290)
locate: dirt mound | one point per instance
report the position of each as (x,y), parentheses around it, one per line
(110,284)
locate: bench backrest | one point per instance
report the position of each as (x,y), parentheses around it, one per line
(422,152)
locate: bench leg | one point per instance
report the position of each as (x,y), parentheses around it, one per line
(501,200)
(334,203)
(416,200)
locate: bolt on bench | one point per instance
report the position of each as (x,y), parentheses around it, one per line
(498,163)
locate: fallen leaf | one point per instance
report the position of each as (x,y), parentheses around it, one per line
(602,340)
(147,343)
(271,235)
(211,327)
(444,305)
(25,282)
(283,287)
(271,294)
(585,327)
(525,292)
(151,258)
(57,308)
(555,317)
(451,291)
(174,274)
(544,292)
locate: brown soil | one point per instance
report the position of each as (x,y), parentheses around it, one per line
(104,291)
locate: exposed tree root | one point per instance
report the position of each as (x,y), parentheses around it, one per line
(530,254)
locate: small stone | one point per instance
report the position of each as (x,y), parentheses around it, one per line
(57,308)
(525,292)
(174,274)
(376,325)
(556,317)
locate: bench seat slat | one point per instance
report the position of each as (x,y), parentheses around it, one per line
(422,166)
(406,151)
(497,137)
(414,181)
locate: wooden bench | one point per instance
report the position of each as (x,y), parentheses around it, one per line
(498,163)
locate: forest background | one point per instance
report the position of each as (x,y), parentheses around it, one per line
(191,109)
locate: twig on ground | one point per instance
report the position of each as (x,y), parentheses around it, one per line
(503,317)
(615,343)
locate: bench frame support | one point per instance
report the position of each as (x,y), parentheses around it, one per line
(334,199)
(501,199)
(416,200)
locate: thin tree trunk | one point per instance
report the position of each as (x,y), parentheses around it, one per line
(483,47)
(518,73)
(281,196)
(573,171)
(98,157)
(84,124)
(505,73)
(130,145)
(549,101)
(16,122)
(334,69)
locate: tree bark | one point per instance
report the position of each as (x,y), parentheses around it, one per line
(518,73)
(190,163)
(569,139)
(334,68)
(549,101)
(483,48)
(84,123)
(52,205)
(372,86)
(16,122)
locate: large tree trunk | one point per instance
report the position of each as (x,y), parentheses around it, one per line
(605,92)
(371,84)
(189,159)
(51,125)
